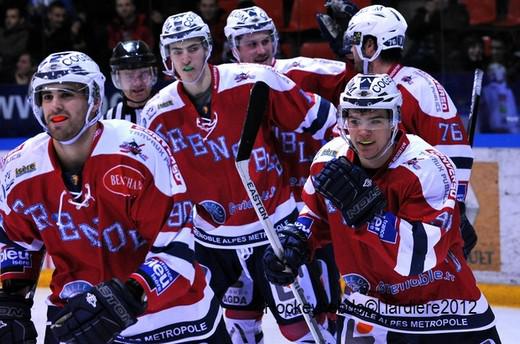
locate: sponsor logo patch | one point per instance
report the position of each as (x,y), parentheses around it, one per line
(19,171)
(123,180)
(384,227)
(356,283)
(216,210)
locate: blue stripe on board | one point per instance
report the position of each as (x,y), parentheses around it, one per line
(481,140)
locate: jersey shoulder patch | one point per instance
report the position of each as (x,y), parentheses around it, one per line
(231,75)
(167,99)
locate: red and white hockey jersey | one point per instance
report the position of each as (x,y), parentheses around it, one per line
(205,150)
(121,228)
(429,112)
(324,77)
(412,254)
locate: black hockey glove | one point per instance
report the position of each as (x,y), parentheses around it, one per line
(334,24)
(350,190)
(97,315)
(15,320)
(469,235)
(296,253)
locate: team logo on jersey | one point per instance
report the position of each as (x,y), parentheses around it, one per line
(407,79)
(134,148)
(215,210)
(244,76)
(413,163)
(123,180)
(19,171)
(355,283)
(74,288)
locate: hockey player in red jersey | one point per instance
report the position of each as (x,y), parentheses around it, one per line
(253,38)
(376,35)
(201,117)
(96,196)
(389,201)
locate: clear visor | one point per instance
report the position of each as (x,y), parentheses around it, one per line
(367,119)
(127,79)
(44,91)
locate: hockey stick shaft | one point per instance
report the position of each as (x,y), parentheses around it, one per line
(256,110)
(475,100)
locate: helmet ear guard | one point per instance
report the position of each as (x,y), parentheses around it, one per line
(245,21)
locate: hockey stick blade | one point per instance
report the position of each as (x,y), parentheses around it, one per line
(475,100)
(256,108)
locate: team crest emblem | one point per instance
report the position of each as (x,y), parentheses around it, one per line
(414,163)
(407,79)
(243,76)
(134,148)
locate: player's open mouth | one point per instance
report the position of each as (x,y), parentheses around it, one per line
(58,118)
(365,143)
(187,68)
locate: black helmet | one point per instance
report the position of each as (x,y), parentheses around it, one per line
(132,55)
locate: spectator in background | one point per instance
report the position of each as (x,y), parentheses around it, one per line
(23,72)
(215,17)
(499,112)
(436,31)
(473,54)
(469,55)
(53,33)
(13,38)
(128,25)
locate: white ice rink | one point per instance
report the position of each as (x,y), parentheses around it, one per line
(508,322)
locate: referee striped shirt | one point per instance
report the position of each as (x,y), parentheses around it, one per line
(123,111)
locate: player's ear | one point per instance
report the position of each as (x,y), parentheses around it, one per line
(369,46)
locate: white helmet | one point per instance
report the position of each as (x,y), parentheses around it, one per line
(245,21)
(370,91)
(386,24)
(68,67)
(180,27)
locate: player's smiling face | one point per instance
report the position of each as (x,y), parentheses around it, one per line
(370,131)
(188,58)
(64,108)
(256,47)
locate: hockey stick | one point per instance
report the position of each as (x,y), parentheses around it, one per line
(255,113)
(475,100)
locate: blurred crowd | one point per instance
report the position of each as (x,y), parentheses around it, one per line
(443,37)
